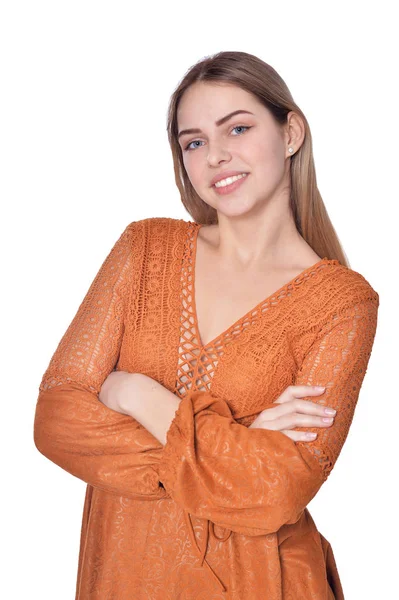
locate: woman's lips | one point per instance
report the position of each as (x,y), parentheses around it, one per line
(227,189)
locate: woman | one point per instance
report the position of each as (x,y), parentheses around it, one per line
(183,391)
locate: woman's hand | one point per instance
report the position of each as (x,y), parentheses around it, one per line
(116,390)
(294,412)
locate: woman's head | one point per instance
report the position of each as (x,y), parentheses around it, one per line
(257,144)
(252,142)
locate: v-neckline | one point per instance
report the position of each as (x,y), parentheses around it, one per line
(255,308)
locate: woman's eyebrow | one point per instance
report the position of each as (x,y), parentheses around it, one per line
(217,123)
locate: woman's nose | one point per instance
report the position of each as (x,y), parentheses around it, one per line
(216,154)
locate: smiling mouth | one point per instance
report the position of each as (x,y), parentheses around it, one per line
(229,180)
(230,188)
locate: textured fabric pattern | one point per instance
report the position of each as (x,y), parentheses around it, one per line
(219,512)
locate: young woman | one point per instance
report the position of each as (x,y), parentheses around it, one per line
(183,392)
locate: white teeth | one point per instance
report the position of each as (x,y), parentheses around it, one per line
(229,180)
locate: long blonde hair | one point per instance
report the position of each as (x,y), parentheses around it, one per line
(260,79)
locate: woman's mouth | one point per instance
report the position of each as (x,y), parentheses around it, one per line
(231,187)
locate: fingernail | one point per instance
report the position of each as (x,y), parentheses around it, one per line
(319,387)
(330,411)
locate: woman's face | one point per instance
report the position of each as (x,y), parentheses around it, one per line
(246,143)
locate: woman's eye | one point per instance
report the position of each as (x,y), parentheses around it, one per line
(240,127)
(199,141)
(188,146)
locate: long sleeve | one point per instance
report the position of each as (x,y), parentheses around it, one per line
(72,427)
(253,481)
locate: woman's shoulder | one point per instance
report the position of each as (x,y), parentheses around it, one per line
(157,227)
(336,297)
(336,294)
(158,222)
(155,236)
(347,285)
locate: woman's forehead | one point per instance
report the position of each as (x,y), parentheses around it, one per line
(213,102)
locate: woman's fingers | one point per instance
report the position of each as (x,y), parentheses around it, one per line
(292,420)
(290,401)
(290,411)
(293,392)
(299,436)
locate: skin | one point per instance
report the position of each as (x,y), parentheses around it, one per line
(256,231)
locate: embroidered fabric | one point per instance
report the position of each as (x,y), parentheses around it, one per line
(139,316)
(337,359)
(72,427)
(210,530)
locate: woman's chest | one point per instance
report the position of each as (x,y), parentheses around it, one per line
(249,356)
(222,300)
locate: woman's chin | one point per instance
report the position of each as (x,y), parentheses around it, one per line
(234,208)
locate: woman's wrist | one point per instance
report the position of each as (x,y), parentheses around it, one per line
(149,402)
(117,391)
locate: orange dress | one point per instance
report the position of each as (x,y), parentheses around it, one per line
(219,511)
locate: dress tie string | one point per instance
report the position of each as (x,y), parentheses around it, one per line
(210,529)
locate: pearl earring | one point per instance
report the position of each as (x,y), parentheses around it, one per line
(290,149)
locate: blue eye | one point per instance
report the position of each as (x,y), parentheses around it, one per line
(240,127)
(195,141)
(188,146)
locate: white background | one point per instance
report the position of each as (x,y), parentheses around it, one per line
(84,151)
